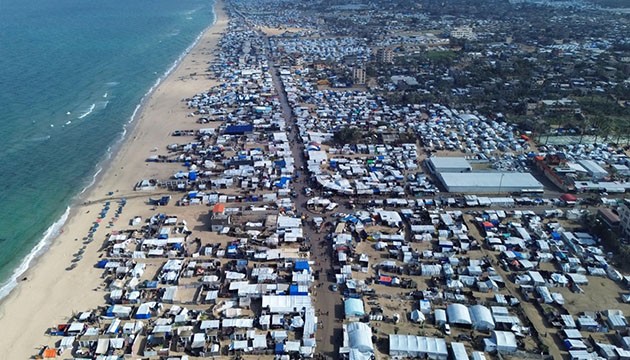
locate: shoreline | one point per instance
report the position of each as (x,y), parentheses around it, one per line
(50,235)
(51,294)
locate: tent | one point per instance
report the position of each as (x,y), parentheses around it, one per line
(501,341)
(481,318)
(417,316)
(458,314)
(360,341)
(353,307)
(417,346)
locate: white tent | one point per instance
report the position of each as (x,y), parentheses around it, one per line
(501,341)
(481,318)
(199,341)
(440,317)
(417,346)
(360,341)
(458,314)
(417,316)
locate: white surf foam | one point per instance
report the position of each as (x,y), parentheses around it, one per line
(48,235)
(88,112)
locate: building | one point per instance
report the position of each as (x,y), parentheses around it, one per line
(594,170)
(358,75)
(624,217)
(385,55)
(438,164)
(218,219)
(489,182)
(463,32)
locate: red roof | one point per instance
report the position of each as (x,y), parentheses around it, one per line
(569,198)
(487,224)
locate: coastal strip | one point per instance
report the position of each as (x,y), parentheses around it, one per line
(48,293)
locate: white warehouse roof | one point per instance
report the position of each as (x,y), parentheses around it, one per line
(489,182)
(449,164)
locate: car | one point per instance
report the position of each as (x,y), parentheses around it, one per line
(334,287)
(447,329)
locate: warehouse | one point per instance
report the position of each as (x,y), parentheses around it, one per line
(448,164)
(489,182)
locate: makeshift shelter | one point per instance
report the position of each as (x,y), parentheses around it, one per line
(417,316)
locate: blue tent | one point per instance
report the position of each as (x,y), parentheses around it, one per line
(279,348)
(295,290)
(282,183)
(101,264)
(350,218)
(301,265)
(239,129)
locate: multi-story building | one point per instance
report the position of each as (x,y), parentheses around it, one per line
(385,55)
(463,32)
(358,74)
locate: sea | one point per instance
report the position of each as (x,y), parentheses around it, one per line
(73,74)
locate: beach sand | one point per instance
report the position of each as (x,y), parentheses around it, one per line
(48,294)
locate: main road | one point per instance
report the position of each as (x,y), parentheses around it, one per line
(327,303)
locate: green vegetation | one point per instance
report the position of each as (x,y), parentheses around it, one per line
(347,136)
(611,242)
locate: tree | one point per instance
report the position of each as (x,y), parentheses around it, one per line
(348,135)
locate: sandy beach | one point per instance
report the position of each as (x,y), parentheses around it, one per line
(48,294)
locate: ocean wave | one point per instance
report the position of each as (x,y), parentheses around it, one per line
(88,112)
(48,235)
(98,171)
(112,83)
(39,138)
